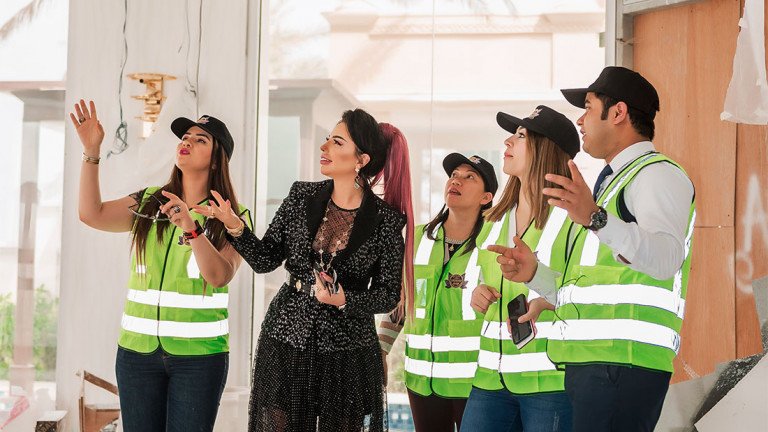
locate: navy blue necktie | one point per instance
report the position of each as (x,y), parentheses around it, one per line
(603,174)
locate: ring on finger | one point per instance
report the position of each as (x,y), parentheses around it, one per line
(81,119)
(176,209)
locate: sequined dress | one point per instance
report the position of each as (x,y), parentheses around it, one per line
(318,368)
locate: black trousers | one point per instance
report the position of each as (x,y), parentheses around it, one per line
(612,398)
(436,414)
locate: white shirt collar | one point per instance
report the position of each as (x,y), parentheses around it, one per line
(631,153)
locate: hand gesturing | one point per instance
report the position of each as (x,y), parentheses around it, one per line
(88,128)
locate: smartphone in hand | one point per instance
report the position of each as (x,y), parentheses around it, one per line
(522,333)
(331,286)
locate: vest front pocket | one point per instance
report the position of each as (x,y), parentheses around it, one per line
(425,278)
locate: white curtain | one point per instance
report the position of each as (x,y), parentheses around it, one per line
(747,97)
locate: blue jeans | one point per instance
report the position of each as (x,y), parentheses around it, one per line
(502,411)
(160,392)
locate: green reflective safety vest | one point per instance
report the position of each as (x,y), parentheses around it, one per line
(443,337)
(500,364)
(609,313)
(166,306)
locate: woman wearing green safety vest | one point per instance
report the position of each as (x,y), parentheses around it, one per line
(520,389)
(442,330)
(172,356)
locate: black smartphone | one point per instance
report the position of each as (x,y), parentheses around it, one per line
(521,333)
(330,286)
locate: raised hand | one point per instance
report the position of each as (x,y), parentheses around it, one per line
(518,264)
(482,297)
(575,197)
(178,212)
(88,128)
(220,209)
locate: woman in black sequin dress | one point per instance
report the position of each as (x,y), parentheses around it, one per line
(318,363)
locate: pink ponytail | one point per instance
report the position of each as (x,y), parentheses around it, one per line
(397,193)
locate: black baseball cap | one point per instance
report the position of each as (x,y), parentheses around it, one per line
(482,166)
(212,125)
(622,84)
(548,122)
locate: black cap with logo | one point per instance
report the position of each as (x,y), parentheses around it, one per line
(548,122)
(622,84)
(482,166)
(212,125)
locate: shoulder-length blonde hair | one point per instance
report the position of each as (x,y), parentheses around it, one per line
(545,158)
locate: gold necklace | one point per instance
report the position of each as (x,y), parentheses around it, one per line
(344,236)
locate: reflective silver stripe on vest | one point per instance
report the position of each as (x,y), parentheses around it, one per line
(616,329)
(473,272)
(173,299)
(515,363)
(444,343)
(425,250)
(549,234)
(493,235)
(626,175)
(175,329)
(498,330)
(590,249)
(193,271)
(422,258)
(472,276)
(440,370)
(638,294)
(678,284)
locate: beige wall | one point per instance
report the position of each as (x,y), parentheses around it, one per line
(687,52)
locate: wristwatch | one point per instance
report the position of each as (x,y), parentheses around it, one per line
(185,237)
(598,219)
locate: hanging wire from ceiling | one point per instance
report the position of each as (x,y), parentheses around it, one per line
(191,87)
(120,143)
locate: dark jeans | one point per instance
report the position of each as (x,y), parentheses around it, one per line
(435,413)
(608,398)
(160,392)
(502,411)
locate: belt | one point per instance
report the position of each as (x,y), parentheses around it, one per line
(296,283)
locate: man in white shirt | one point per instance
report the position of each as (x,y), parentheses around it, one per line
(620,288)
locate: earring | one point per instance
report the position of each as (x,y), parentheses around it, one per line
(357,178)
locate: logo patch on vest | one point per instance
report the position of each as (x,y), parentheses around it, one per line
(456,281)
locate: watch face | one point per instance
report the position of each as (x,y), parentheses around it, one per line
(598,219)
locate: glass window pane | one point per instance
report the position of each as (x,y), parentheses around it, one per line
(438,70)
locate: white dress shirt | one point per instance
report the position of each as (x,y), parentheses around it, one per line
(660,198)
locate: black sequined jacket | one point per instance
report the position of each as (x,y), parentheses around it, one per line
(369,269)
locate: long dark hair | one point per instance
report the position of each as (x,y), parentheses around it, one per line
(218,180)
(389,160)
(546,158)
